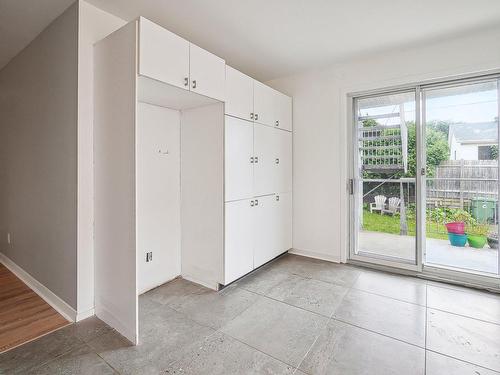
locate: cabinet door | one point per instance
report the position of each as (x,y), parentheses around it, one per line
(239,239)
(283,161)
(265,236)
(265,152)
(283,111)
(283,223)
(163,55)
(207,73)
(263,104)
(239,94)
(238,156)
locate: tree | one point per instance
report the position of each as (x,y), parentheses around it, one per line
(436,146)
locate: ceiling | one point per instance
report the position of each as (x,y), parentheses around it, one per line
(273,38)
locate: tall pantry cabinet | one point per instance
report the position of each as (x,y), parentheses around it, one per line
(192,169)
(258,174)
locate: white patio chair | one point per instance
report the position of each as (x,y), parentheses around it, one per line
(379,204)
(393,206)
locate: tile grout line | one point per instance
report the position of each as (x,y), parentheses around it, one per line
(463,360)
(463,316)
(376,333)
(259,350)
(286,303)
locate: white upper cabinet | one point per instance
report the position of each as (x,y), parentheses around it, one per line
(282,111)
(207,73)
(263,104)
(163,55)
(239,94)
(238,159)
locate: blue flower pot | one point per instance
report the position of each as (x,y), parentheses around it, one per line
(458,240)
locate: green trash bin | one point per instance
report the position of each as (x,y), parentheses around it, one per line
(483,209)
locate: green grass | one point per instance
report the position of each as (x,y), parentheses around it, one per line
(375,222)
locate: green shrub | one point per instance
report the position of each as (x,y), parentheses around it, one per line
(477,229)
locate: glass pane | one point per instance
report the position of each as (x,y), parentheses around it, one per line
(461,125)
(385,167)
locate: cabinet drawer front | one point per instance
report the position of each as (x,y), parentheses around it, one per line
(207,73)
(163,55)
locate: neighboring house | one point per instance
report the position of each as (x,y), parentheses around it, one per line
(473,141)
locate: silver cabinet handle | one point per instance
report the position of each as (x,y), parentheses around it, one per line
(251,159)
(256,116)
(251,203)
(256,159)
(277,122)
(256,202)
(251,116)
(277,161)
(186,81)
(277,197)
(194,83)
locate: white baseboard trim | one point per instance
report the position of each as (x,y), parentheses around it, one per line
(155,285)
(107,317)
(315,255)
(45,293)
(85,314)
(210,285)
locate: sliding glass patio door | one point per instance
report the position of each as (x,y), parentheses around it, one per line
(424,186)
(461,182)
(384,185)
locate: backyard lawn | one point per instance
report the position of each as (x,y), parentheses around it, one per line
(390,224)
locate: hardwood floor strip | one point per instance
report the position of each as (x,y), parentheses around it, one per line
(24,316)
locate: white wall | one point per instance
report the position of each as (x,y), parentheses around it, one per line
(38,125)
(158,195)
(94,24)
(46,194)
(320,217)
(202,191)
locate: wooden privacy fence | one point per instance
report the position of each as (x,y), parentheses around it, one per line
(456,182)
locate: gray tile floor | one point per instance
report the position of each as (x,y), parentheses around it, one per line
(294,316)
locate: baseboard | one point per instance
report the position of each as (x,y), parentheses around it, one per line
(315,255)
(210,285)
(85,314)
(107,317)
(155,285)
(45,293)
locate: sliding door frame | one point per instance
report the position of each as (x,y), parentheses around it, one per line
(356,183)
(464,277)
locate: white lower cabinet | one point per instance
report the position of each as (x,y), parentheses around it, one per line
(283,223)
(257,230)
(239,239)
(265,235)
